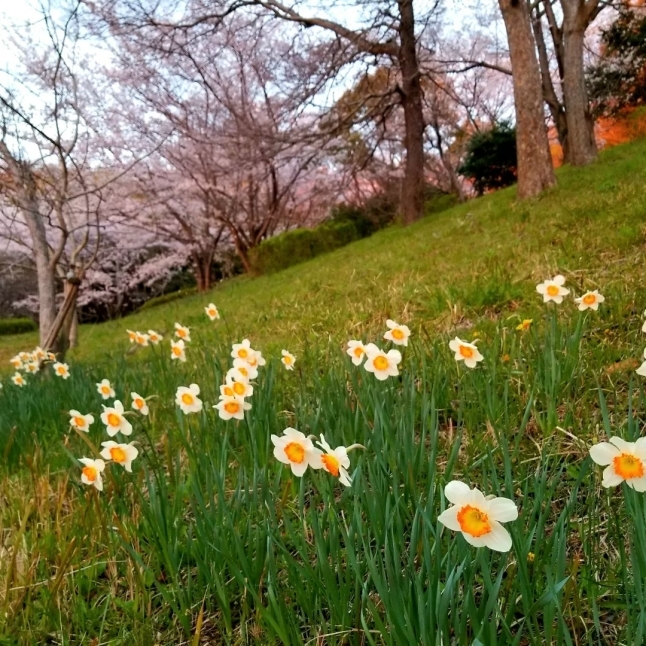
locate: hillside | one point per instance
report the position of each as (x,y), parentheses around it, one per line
(213,538)
(475,260)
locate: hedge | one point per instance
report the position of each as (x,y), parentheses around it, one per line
(299,245)
(17,326)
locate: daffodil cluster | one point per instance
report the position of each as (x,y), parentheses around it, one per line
(32,362)
(116,424)
(237,384)
(382,364)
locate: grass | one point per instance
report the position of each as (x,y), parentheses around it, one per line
(211,541)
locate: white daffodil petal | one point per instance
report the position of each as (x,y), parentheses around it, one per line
(603,453)
(457,492)
(502,509)
(498,539)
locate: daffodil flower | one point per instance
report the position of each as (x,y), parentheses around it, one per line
(238,374)
(288,360)
(212,311)
(336,461)
(256,359)
(478,518)
(251,372)
(114,420)
(32,366)
(624,462)
(397,333)
(18,380)
(139,403)
(465,351)
(80,421)
(16,362)
(105,389)
(132,336)
(142,339)
(357,351)
(91,472)
(61,370)
(177,350)
(296,450)
(187,399)
(382,364)
(525,325)
(122,454)
(232,407)
(182,332)
(242,350)
(590,301)
(154,337)
(553,290)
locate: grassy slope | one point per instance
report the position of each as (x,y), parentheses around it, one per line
(210,520)
(476,259)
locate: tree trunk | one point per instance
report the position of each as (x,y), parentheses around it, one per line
(412,195)
(556,108)
(74,329)
(44,272)
(580,125)
(535,172)
(202,270)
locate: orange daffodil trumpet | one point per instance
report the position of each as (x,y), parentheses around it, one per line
(91,472)
(139,403)
(296,450)
(187,399)
(81,422)
(397,333)
(465,351)
(105,389)
(212,311)
(177,350)
(356,351)
(382,364)
(182,332)
(122,454)
(553,290)
(61,370)
(114,420)
(590,301)
(478,517)
(288,360)
(232,407)
(624,462)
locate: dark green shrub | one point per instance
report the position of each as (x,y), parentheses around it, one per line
(299,245)
(17,326)
(490,160)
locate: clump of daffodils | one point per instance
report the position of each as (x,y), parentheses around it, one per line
(296,450)
(236,388)
(477,517)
